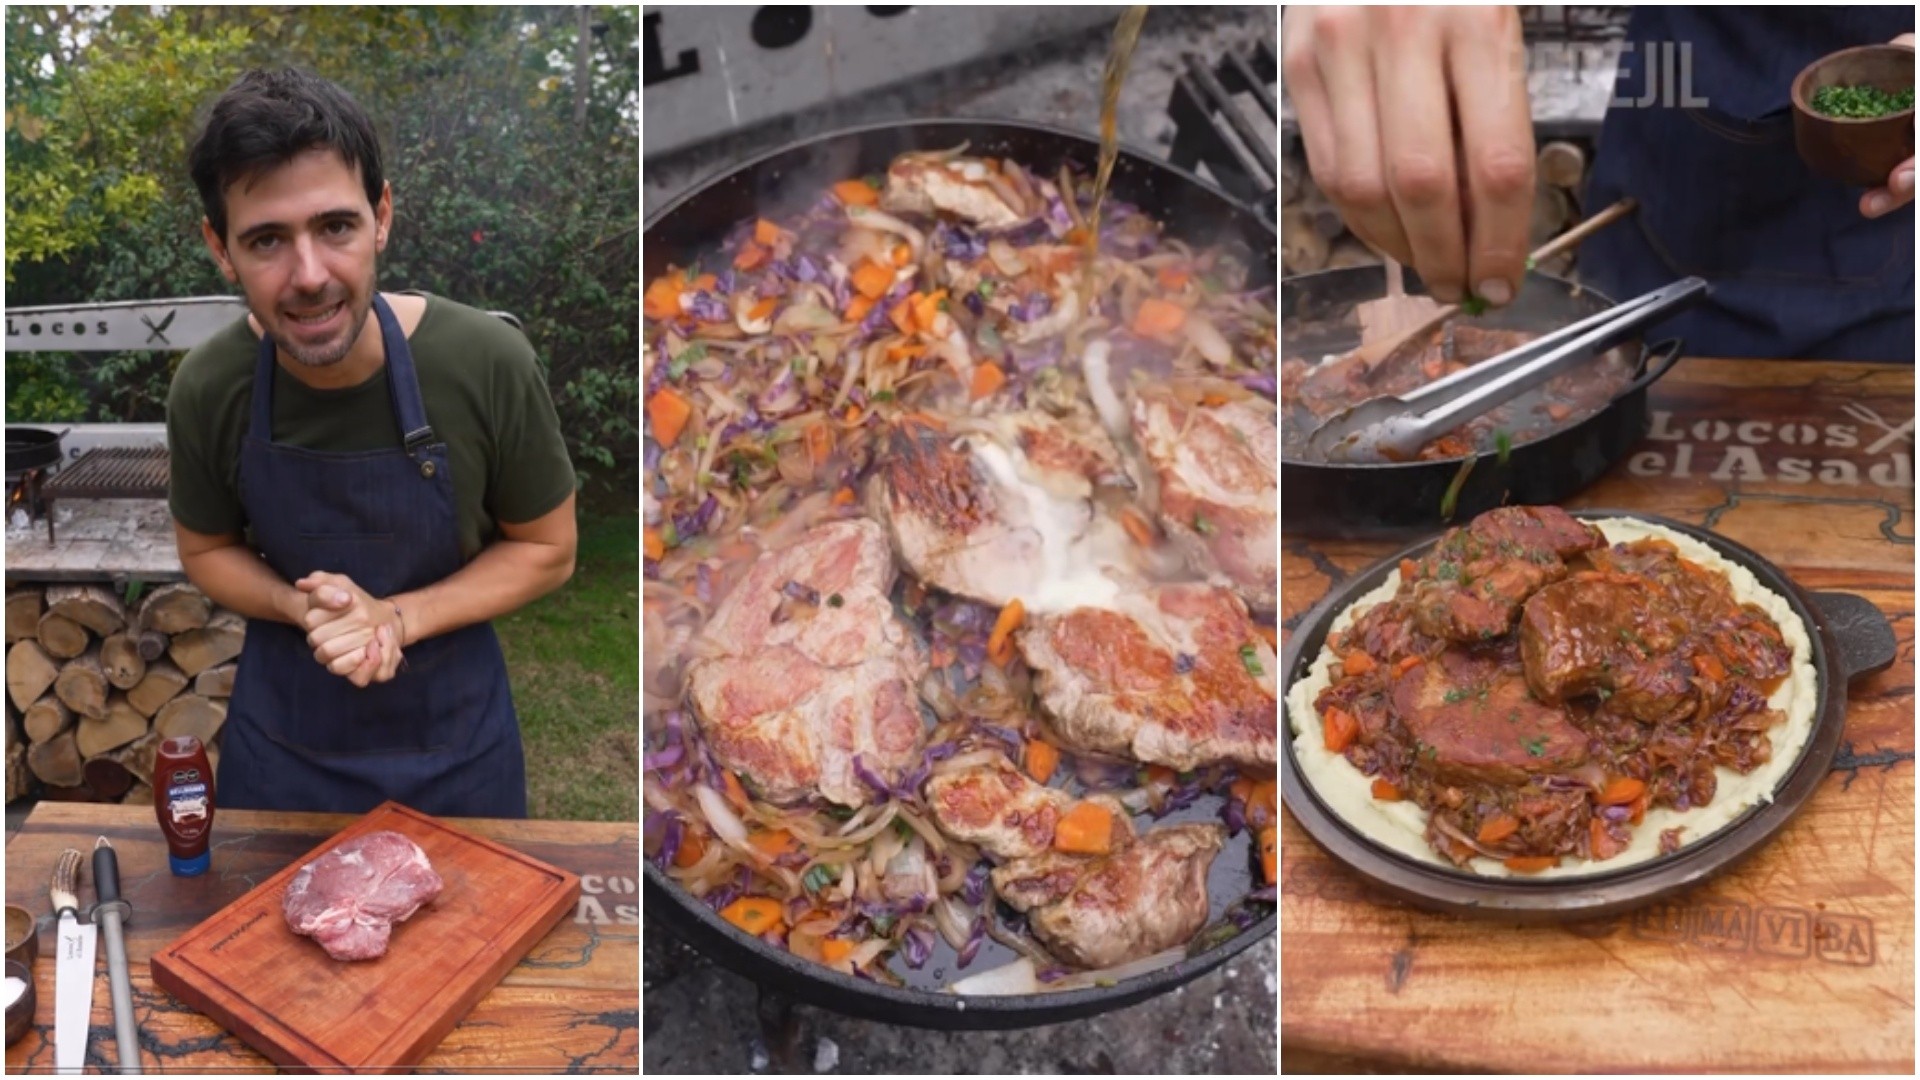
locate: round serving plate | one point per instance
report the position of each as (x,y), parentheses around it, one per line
(1850,639)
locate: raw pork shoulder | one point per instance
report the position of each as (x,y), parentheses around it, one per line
(349,898)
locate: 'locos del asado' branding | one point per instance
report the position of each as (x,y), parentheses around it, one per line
(1864,451)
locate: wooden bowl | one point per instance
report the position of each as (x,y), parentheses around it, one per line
(1858,152)
(20,1013)
(23,944)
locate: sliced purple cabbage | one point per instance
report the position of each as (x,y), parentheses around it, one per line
(917,946)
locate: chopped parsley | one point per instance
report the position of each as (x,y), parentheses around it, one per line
(883,395)
(835,600)
(1250,659)
(1458,695)
(688,357)
(1535,746)
(986,288)
(1740,669)
(819,878)
(1202,526)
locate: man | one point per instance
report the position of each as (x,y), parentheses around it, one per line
(368,478)
(1801,266)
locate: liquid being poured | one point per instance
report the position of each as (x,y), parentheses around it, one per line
(1126,34)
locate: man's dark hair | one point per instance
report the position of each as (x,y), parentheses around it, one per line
(264,120)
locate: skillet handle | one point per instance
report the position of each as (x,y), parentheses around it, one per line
(1660,360)
(1867,644)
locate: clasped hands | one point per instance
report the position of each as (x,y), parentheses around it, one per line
(352,633)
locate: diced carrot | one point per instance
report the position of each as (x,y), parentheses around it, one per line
(819,444)
(1262,808)
(774,844)
(1357,663)
(1621,791)
(833,949)
(735,793)
(655,544)
(663,296)
(1172,278)
(669,413)
(856,193)
(1406,664)
(1137,526)
(1156,317)
(1241,788)
(751,256)
(1076,235)
(766,232)
(858,307)
(692,850)
(852,415)
(1087,829)
(1338,729)
(704,283)
(1531,864)
(1559,411)
(901,316)
(871,279)
(1710,666)
(1600,843)
(1213,401)
(1042,760)
(986,379)
(1498,828)
(926,309)
(755,914)
(901,353)
(763,309)
(1407,567)
(1386,790)
(1000,641)
(1639,808)
(902,254)
(1270,852)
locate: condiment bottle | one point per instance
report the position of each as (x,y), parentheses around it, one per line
(183,799)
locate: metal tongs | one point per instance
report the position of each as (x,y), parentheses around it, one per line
(1394,427)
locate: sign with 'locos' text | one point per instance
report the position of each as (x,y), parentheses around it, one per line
(164,325)
(1863,450)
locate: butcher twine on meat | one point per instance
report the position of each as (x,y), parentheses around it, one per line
(349,898)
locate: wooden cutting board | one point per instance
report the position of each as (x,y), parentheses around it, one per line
(288,999)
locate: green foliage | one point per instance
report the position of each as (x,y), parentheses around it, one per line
(502,198)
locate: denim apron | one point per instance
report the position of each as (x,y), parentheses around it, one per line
(441,736)
(1796,270)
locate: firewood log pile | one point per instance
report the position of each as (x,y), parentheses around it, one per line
(1314,237)
(94,684)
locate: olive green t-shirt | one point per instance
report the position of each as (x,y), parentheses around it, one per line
(484,396)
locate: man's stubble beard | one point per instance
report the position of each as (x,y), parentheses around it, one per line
(333,354)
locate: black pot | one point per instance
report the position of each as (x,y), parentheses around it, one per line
(1391,499)
(788,181)
(31,448)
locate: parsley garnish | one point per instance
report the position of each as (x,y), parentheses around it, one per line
(1250,659)
(1202,525)
(1536,746)
(688,357)
(819,878)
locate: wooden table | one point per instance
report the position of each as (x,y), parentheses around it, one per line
(1799,960)
(573,1005)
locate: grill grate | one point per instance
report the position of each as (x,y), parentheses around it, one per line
(1214,128)
(117,472)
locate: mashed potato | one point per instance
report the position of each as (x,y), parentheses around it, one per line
(1401,826)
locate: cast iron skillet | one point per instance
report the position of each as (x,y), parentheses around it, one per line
(1399,499)
(31,447)
(788,181)
(1851,640)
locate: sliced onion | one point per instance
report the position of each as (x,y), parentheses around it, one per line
(1082,980)
(954,918)
(1093,367)
(1005,258)
(1019,977)
(720,817)
(1206,338)
(805,318)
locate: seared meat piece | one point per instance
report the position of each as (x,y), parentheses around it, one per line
(1216,476)
(1068,455)
(992,524)
(1148,895)
(1474,722)
(1173,675)
(965,187)
(1471,585)
(1611,635)
(998,809)
(790,688)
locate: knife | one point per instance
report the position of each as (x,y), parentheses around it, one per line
(73,981)
(109,910)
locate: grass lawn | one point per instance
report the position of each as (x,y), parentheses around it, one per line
(574,661)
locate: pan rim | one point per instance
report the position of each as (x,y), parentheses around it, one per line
(1037,1008)
(1588,895)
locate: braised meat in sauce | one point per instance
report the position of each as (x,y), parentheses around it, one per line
(1311,391)
(1632,673)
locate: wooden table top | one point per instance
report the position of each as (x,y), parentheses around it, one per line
(1800,959)
(573,1005)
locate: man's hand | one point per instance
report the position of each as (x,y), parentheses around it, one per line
(1417,127)
(352,633)
(1899,190)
